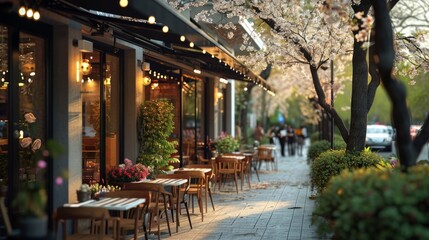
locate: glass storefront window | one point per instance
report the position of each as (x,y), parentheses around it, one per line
(90,88)
(32,99)
(101,113)
(111,98)
(4,82)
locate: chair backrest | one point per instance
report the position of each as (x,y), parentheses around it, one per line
(156,189)
(81,213)
(265,153)
(196,177)
(226,164)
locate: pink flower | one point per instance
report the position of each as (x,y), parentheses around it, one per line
(59,181)
(45,153)
(128,162)
(41,164)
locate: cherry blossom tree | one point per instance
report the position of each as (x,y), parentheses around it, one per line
(310,33)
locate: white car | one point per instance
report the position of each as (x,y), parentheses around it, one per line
(378,137)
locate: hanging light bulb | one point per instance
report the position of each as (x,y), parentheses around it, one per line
(182,38)
(151,20)
(30,13)
(123,3)
(36,15)
(191,44)
(165,29)
(22,11)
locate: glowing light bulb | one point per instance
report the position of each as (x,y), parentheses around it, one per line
(22,11)
(36,15)
(191,44)
(165,29)
(151,19)
(182,38)
(204,51)
(30,13)
(123,3)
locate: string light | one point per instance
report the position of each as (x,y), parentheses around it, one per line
(123,3)
(151,19)
(191,44)
(182,38)
(165,29)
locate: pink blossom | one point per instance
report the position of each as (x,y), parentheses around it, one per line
(41,164)
(45,153)
(59,181)
(128,162)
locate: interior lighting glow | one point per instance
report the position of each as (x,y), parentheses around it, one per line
(191,44)
(165,29)
(182,38)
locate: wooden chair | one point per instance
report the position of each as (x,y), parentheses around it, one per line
(158,203)
(62,214)
(183,192)
(265,154)
(196,188)
(209,178)
(226,166)
(243,168)
(134,219)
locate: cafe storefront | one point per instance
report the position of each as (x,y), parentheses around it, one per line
(82,77)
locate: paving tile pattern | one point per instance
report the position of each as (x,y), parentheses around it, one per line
(277,207)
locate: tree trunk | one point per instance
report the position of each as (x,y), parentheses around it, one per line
(358,118)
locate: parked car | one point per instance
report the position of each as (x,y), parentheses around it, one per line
(378,137)
(392,132)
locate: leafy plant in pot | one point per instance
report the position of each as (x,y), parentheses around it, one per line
(155,125)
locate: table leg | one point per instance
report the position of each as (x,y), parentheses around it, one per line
(206,189)
(177,208)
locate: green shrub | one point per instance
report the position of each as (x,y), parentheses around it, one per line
(374,204)
(316,148)
(331,163)
(315,136)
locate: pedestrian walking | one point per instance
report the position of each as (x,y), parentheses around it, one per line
(290,138)
(282,139)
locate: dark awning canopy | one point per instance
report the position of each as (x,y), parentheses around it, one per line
(131,25)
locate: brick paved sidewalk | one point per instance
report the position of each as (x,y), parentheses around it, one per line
(277,207)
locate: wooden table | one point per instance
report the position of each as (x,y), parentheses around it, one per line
(207,172)
(170,183)
(114,204)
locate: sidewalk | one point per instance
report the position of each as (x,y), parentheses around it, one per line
(277,207)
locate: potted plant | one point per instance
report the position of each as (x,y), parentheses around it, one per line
(127,172)
(155,125)
(226,144)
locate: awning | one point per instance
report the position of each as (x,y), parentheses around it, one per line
(131,25)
